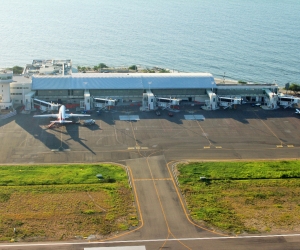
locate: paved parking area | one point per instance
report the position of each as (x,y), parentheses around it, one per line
(245,133)
(147,147)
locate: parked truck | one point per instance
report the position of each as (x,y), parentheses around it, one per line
(88,122)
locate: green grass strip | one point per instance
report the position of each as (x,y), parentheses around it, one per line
(59,174)
(243,196)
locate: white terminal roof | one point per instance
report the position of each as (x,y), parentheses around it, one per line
(124,81)
(21,79)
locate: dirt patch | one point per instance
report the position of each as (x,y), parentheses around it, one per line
(276,211)
(65,215)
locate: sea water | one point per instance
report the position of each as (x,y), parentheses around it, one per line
(257,41)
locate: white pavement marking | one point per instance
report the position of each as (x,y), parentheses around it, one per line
(137,147)
(129,117)
(194,117)
(153,240)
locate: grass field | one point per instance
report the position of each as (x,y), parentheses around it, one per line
(64,202)
(240,197)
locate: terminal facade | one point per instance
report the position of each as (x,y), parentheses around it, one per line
(87,91)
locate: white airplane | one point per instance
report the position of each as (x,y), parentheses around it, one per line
(297,111)
(61,116)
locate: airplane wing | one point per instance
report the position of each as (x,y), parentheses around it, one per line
(297,111)
(76,115)
(50,115)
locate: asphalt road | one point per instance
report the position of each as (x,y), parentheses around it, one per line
(149,147)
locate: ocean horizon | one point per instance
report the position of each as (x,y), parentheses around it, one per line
(255,41)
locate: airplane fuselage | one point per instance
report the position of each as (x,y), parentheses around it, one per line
(62,114)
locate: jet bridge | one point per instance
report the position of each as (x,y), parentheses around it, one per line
(288,101)
(210,104)
(29,100)
(164,103)
(228,102)
(271,99)
(102,103)
(44,106)
(87,99)
(149,101)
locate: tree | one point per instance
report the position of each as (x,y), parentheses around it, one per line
(17,70)
(294,87)
(133,67)
(149,70)
(164,71)
(102,66)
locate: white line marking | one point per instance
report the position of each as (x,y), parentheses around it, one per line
(153,240)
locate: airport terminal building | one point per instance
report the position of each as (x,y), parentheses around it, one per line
(147,88)
(123,87)
(151,90)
